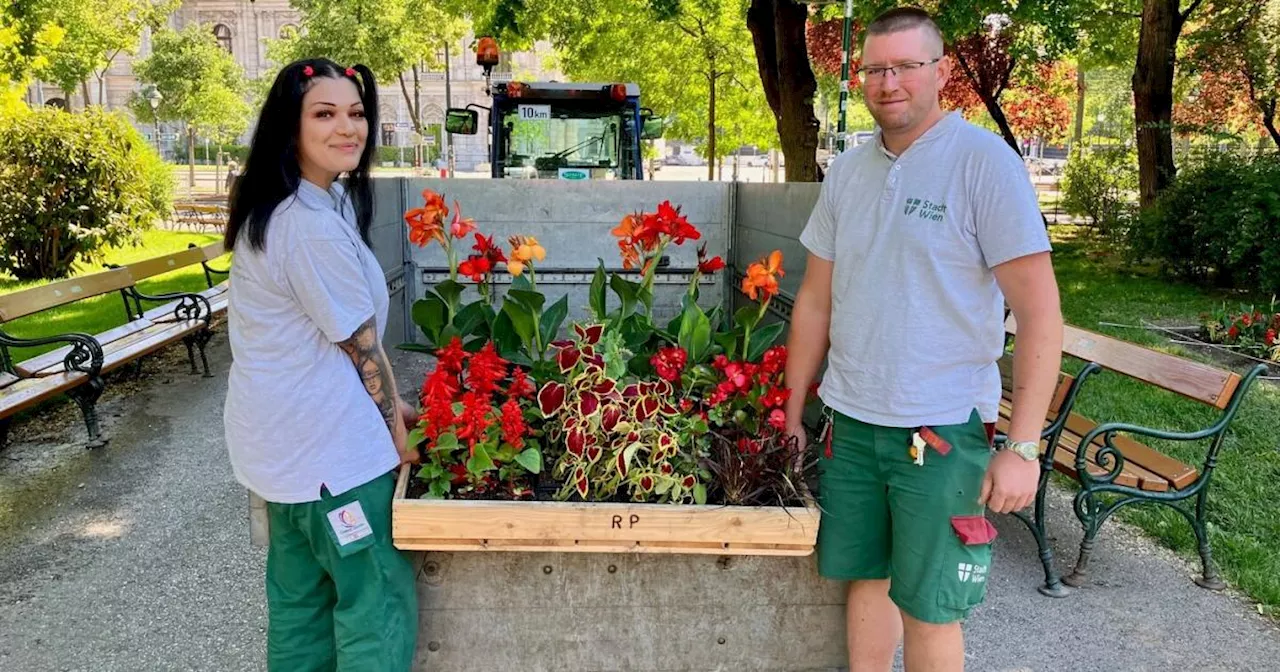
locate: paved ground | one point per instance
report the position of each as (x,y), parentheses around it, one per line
(137,558)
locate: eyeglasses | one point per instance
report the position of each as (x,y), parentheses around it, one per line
(902,70)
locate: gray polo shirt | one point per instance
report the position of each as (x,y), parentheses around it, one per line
(916,314)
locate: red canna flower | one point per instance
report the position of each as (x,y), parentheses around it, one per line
(460,227)
(475,267)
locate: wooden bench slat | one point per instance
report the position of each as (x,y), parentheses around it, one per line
(164,264)
(213,251)
(7,379)
(1135,453)
(31,367)
(31,391)
(35,299)
(1138,471)
(1059,393)
(147,342)
(1201,382)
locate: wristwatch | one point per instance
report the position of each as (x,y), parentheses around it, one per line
(1027,450)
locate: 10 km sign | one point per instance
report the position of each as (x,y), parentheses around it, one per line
(535,112)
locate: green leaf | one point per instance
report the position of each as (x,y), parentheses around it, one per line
(763,339)
(480,462)
(728,341)
(531,300)
(747,316)
(700,494)
(597,295)
(430,313)
(471,319)
(627,291)
(553,317)
(415,438)
(695,333)
(521,319)
(505,337)
(451,292)
(531,459)
(522,283)
(446,441)
(438,489)
(520,359)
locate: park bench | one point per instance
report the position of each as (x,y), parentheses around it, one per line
(217,291)
(1115,470)
(200,215)
(77,369)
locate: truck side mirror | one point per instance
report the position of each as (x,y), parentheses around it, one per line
(461,121)
(653,128)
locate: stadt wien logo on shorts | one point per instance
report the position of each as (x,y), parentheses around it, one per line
(971,573)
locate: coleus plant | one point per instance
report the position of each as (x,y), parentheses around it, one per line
(475,423)
(621,440)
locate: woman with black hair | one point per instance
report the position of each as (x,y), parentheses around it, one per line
(312,419)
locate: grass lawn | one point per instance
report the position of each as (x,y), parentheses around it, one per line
(101,313)
(1244,500)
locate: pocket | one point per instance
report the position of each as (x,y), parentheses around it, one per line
(963,581)
(348,529)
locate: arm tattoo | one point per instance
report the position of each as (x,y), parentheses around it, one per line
(371,363)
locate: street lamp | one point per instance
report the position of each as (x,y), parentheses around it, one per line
(154,99)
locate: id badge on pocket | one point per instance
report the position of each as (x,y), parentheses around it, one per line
(349,529)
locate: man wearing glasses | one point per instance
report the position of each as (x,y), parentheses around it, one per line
(918,240)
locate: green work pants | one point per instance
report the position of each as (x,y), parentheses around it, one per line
(349,607)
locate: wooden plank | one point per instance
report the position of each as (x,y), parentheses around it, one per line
(35,299)
(35,365)
(1200,382)
(30,391)
(599,527)
(164,264)
(7,379)
(533,546)
(146,342)
(213,251)
(1059,393)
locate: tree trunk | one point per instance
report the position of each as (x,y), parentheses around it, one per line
(992,102)
(711,122)
(1269,120)
(1153,95)
(102,90)
(84,90)
(1077,136)
(778,34)
(191,160)
(1002,122)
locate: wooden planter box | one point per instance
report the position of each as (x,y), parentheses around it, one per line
(603,527)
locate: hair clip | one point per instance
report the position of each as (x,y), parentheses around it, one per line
(351,72)
(308,71)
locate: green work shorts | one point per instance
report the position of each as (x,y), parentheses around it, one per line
(334,602)
(920,526)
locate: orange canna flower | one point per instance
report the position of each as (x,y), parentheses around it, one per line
(526,249)
(515,267)
(627,228)
(762,277)
(630,256)
(427,223)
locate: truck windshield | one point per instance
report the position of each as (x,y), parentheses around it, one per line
(557,140)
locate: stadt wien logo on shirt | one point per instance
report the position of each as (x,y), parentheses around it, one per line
(925,210)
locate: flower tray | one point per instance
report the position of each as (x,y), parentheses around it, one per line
(598,527)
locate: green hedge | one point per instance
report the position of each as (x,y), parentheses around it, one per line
(1101,184)
(1219,222)
(72,185)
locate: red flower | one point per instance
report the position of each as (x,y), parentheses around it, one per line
(438,416)
(1233,332)
(775,360)
(669,362)
(1246,320)
(486,369)
(708,266)
(521,387)
(676,225)
(513,427)
(719,363)
(778,419)
(474,419)
(686,405)
(451,357)
(485,248)
(749,446)
(475,267)
(775,397)
(738,375)
(1270,340)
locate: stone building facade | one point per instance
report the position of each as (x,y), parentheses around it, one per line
(245,27)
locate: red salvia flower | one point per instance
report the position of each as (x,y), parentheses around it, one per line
(521,387)
(513,427)
(451,357)
(474,419)
(486,369)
